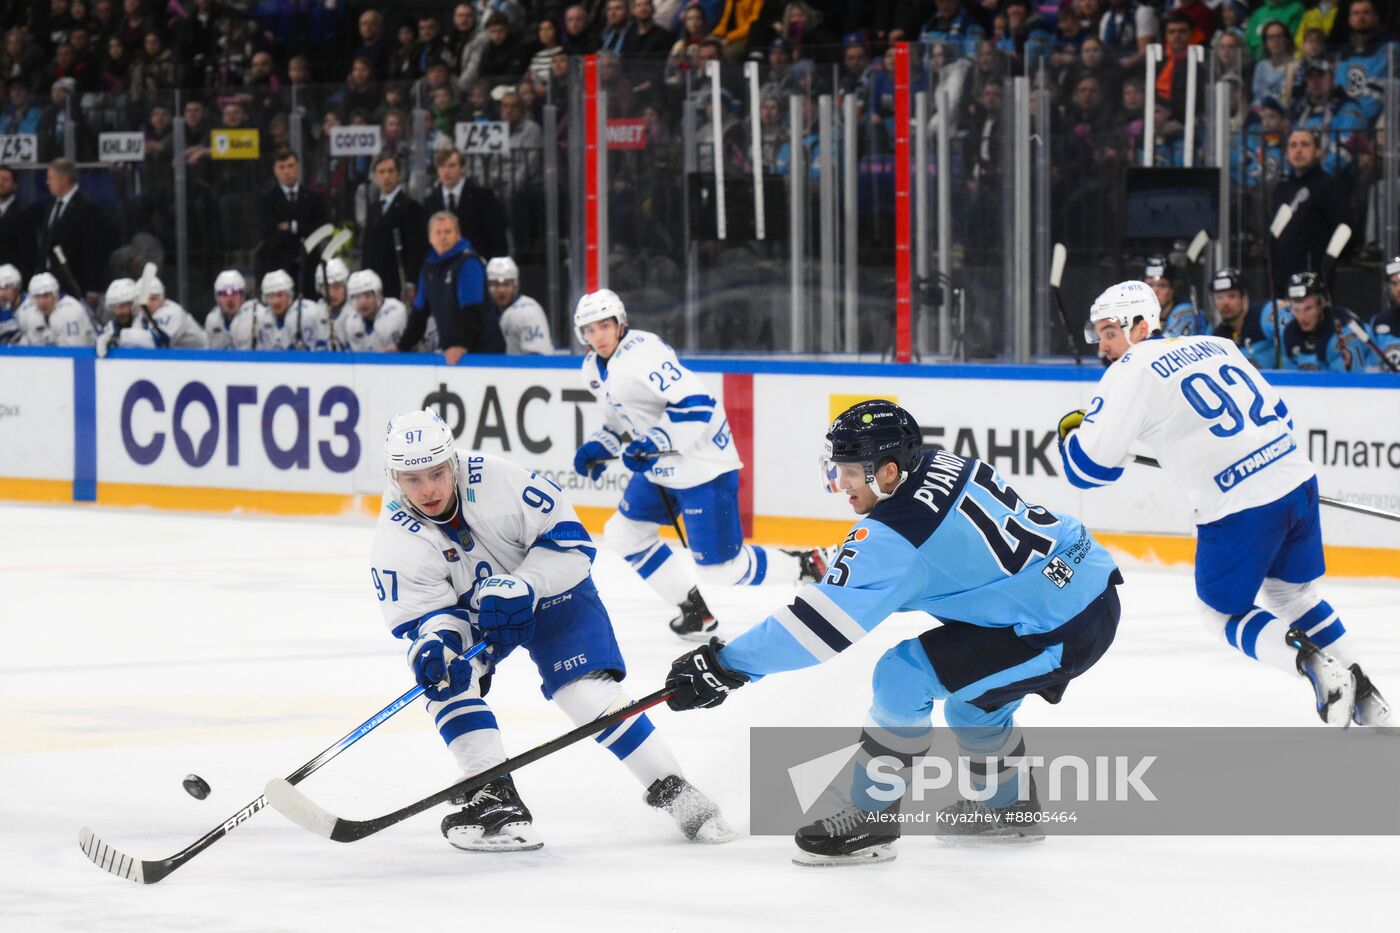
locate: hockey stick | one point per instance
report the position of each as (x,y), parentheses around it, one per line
(1281,220)
(298,808)
(72,281)
(1359,333)
(336,244)
(1340,238)
(1193,259)
(1325,500)
(1057,271)
(143,871)
(143,295)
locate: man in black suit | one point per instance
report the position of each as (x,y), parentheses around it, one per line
(479,212)
(75,224)
(287,213)
(16,229)
(394,211)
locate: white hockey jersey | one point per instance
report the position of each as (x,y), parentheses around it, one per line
(337,318)
(230,334)
(1207,414)
(525,327)
(68,325)
(644,386)
(137,334)
(511,521)
(384,330)
(304,326)
(180,327)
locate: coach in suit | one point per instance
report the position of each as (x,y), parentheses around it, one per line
(479,213)
(77,225)
(16,227)
(394,211)
(287,213)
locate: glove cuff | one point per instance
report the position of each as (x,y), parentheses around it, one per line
(660,438)
(610,441)
(720,668)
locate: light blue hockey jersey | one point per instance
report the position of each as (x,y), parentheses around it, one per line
(953,541)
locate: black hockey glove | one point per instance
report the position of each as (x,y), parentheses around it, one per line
(700,679)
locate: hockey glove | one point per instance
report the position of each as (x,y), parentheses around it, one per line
(641,454)
(438,665)
(1070,423)
(700,680)
(505,611)
(592,458)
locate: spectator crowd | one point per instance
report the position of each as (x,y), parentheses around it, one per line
(1307,89)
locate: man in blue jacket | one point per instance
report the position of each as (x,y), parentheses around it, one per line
(452,290)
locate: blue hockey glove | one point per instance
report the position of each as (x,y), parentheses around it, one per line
(438,665)
(700,680)
(592,458)
(505,611)
(641,454)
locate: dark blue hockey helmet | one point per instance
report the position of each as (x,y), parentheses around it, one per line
(1228,279)
(872,433)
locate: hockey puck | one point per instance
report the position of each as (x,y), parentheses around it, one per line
(196,786)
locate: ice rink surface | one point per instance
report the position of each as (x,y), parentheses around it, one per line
(138,647)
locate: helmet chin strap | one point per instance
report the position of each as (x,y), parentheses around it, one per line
(875,486)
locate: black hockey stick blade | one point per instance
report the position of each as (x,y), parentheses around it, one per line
(300,809)
(1325,500)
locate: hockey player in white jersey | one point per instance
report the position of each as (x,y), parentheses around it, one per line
(229,324)
(523,321)
(48,318)
(281,323)
(470,546)
(181,330)
(375,323)
(332,281)
(682,456)
(128,324)
(11,297)
(1225,436)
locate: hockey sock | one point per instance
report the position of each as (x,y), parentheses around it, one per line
(633,741)
(1303,607)
(875,789)
(753,566)
(664,571)
(469,728)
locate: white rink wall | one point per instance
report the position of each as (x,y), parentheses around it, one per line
(299,434)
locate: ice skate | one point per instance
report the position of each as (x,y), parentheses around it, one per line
(812,564)
(851,837)
(976,823)
(1371,708)
(695,622)
(1334,685)
(698,817)
(493,820)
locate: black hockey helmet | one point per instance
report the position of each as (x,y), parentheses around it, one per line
(873,432)
(1158,267)
(1392,267)
(1303,284)
(1227,280)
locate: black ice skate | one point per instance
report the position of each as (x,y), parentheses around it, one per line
(493,820)
(975,823)
(696,815)
(696,622)
(1333,685)
(851,837)
(812,564)
(1371,708)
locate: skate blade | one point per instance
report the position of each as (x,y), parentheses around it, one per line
(874,855)
(989,839)
(513,837)
(715,832)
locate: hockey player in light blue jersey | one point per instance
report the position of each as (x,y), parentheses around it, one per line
(1027,599)
(661,422)
(1226,437)
(1179,318)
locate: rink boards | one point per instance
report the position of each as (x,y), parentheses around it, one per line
(285,433)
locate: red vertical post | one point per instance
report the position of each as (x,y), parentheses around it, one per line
(903,267)
(738,405)
(590,171)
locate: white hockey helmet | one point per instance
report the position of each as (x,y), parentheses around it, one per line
(120,292)
(598,306)
(334,272)
(1127,303)
(229,280)
(10,277)
(502,269)
(365,280)
(416,440)
(274,282)
(44,284)
(155,287)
